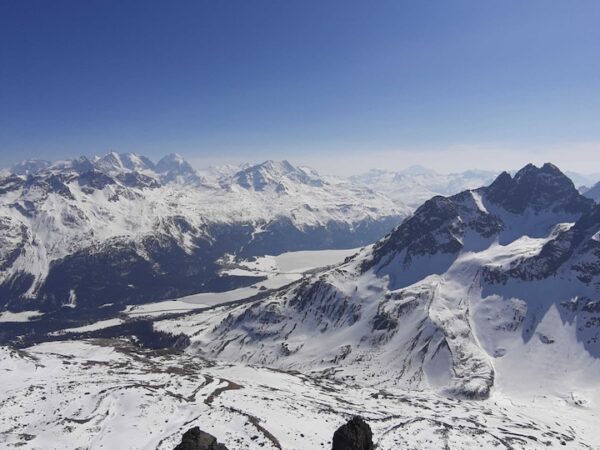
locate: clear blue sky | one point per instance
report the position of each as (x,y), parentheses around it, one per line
(430,82)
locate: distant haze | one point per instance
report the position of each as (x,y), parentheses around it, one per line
(582,158)
(577,160)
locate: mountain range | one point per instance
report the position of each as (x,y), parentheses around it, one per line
(87,232)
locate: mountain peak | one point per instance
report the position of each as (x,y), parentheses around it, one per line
(174,163)
(110,163)
(116,163)
(279,174)
(546,169)
(281,167)
(538,188)
(136,162)
(174,157)
(549,167)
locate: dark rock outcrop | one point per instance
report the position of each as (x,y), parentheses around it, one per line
(354,435)
(196,439)
(543,188)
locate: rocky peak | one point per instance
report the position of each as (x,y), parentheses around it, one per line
(540,189)
(196,439)
(441,223)
(435,227)
(283,166)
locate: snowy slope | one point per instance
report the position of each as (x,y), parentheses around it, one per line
(104,227)
(108,394)
(498,286)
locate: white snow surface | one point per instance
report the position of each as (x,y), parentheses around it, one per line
(105,394)
(23,316)
(93,326)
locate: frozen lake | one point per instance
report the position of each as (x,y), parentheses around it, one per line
(280,271)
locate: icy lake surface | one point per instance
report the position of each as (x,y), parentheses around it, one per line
(279,271)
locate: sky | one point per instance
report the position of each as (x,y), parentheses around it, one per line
(342,86)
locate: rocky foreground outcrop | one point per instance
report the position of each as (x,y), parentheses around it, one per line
(196,439)
(354,435)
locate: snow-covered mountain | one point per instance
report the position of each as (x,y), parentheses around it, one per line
(495,288)
(416,184)
(91,231)
(279,176)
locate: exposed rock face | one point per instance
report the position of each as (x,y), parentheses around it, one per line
(544,188)
(196,439)
(354,435)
